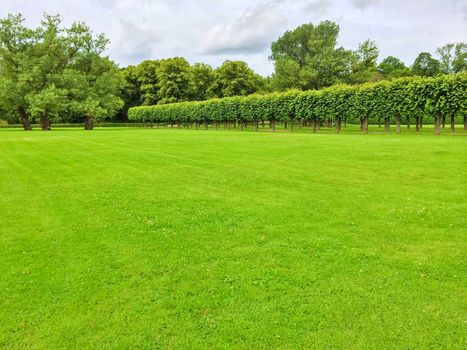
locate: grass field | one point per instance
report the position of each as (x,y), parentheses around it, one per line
(179,239)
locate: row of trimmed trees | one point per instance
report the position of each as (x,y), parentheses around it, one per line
(51,73)
(405,99)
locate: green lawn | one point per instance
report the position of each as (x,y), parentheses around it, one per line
(180,239)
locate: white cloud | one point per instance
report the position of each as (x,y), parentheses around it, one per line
(249,33)
(362,4)
(212,31)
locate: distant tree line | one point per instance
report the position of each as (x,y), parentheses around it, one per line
(175,80)
(55,74)
(306,58)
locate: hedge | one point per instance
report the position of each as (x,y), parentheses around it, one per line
(405,100)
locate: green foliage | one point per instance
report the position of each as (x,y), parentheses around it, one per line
(408,97)
(426,66)
(363,65)
(235,78)
(203,81)
(453,58)
(392,67)
(147,78)
(53,73)
(175,81)
(307,57)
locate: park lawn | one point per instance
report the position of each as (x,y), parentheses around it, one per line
(181,239)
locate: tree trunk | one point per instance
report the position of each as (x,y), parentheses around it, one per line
(386,124)
(262,123)
(453,123)
(437,125)
(398,124)
(25,121)
(273,125)
(285,125)
(338,124)
(88,123)
(379,122)
(45,123)
(365,125)
(417,124)
(314,122)
(361,124)
(421,123)
(408,122)
(444,121)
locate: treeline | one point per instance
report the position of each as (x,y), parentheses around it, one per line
(175,80)
(306,58)
(405,99)
(55,74)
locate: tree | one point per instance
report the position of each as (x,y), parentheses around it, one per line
(363,66)
(392,67)
(47,105)
(50,55)
(235,78)
(203,80)
(453,58)
(426,66)
(94,83)
(16,44)
(146,73)
(307,57)
(131,91)
(175,80)
(287,74)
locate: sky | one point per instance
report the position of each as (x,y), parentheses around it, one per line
(212,31)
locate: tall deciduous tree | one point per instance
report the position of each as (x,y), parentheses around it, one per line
(203,80)
(146,73)
(308,57)
(16,44)
(363,67)
(235,78)
(453,58)
(392,67)
(175,80)
(131,92)
(426,66)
